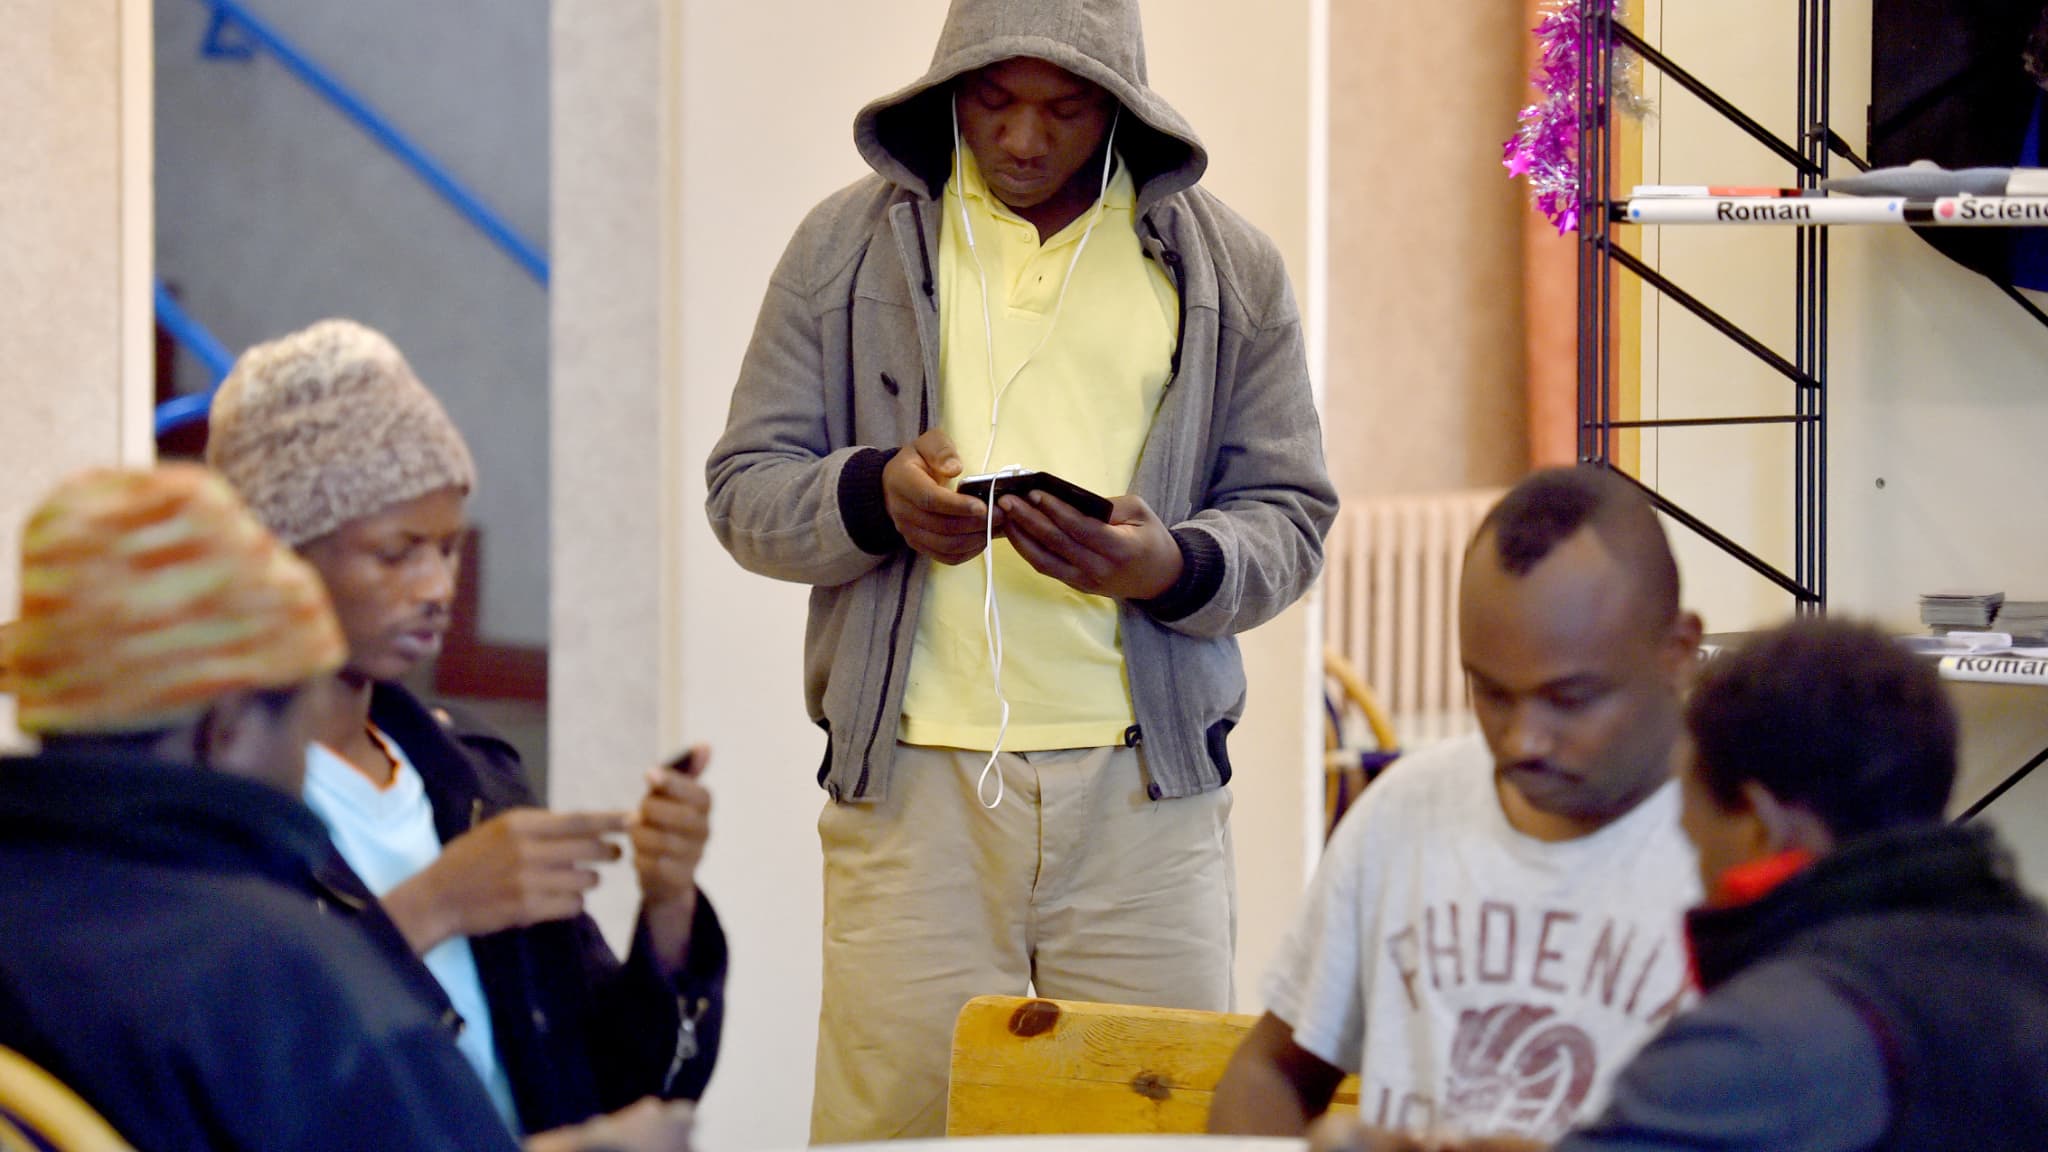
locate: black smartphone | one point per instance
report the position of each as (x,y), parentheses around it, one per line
(994,486)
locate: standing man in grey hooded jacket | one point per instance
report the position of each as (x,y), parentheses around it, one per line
(1026,709)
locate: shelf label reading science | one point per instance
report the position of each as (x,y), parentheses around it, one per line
(1992,210)
(1996,669)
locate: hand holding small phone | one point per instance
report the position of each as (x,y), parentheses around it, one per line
(1128,554)
(917,492)
(671,827)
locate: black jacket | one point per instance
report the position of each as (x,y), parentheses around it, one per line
(166,950)
(1892,996)
(578,1032)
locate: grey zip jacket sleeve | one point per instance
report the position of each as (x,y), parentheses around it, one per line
(843,370)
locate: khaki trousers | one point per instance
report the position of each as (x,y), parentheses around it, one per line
(1078,886)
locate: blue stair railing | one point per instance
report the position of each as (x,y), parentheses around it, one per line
(176,413)
(235,33)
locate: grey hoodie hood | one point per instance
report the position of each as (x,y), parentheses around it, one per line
(907,136)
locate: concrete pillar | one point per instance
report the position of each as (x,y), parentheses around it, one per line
(75,225)
(614,499)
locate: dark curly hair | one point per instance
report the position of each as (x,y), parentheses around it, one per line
(1834,717)
(1551,506)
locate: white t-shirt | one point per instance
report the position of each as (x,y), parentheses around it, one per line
(1477,980)
(387,836)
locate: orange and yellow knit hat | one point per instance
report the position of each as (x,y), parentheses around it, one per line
(7,659)
(146,595)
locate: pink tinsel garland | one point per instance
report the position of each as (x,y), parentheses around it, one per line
(1545,148)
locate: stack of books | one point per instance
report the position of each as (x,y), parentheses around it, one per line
(1942,611)
(2026,621)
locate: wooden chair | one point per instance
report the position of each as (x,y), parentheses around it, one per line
(1350,705)
(1026,1067)
(38,1114)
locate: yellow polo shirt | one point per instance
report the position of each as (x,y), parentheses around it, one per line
(1081,409)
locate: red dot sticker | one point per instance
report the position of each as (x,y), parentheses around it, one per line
(1946,211)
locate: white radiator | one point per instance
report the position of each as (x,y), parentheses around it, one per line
(1391,605)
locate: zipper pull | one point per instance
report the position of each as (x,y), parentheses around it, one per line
(687,1016)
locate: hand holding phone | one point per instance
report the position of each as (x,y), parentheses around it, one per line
(1131,555)
(933,519)
(671,827)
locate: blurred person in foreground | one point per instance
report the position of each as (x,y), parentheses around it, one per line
(172,954)
(346,457)
(1874,976)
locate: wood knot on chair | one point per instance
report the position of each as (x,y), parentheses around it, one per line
(1034,1018)
(1151,1086)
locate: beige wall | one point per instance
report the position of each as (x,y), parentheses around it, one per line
(1425,335)
(690,137)
(75,352)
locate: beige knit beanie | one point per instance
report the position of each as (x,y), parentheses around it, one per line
(329,425)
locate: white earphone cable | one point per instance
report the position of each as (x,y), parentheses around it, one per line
(991,612)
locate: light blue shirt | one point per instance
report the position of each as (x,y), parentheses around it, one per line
(387,835)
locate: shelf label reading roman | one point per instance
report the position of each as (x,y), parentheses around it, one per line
(1809,211)
(1995,669)
(1775,211)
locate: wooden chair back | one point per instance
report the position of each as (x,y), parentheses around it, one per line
(1025,1067)
(37,1113)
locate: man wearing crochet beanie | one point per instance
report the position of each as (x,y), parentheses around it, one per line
(345,456)
(172,954)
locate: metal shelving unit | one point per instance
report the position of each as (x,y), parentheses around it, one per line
(1806,372)
(1602,37)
